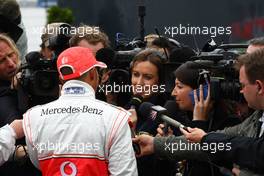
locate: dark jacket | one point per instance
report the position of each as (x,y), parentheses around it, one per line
(219,118)
(247,128)
(244,151)
(10,110)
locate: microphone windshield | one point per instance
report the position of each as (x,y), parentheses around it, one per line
(106,55)
(145,110)
(136,101)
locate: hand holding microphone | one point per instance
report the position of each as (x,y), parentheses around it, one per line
(134,104)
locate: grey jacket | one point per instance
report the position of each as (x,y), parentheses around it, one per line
(172,147)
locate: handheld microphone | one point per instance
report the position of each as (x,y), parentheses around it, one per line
(134,104)
(172,111)
(135,101)
(157,113)
(136,146)
(161,110)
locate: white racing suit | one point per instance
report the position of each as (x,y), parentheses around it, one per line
(7,143)
(78,135)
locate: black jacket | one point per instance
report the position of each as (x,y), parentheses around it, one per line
(244,151)
(10,110)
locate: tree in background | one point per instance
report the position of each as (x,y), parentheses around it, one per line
(57,14)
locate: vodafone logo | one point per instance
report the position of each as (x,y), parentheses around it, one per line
(67,165)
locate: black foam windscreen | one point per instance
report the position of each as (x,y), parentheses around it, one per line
(135,101)
(144,110)
(106,55)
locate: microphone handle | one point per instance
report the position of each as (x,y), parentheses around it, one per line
(173,122)
(166,128)
(136,146)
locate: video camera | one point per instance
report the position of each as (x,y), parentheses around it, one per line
(224,80)
(40,79)
(125,51)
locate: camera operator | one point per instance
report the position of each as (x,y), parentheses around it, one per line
(55,39)
(11,24)
(163,45)
(250,71)
(39,75)
(9,63)
(10,105)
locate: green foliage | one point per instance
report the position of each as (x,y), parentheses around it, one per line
(57,14)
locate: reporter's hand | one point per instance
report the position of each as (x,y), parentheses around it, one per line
(194,135)
(202,107)
(236,171)
(160,131)
(15,80)
(133,117)
(18,128)
(146,144)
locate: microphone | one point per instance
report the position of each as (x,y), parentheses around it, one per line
(136,146)
(157,114)
(133,105)
(135,102)
(172,111)
(145,122)
(106,55)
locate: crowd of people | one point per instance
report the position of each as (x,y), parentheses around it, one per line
(89,131)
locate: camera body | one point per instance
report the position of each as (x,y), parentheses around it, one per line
(224,79)
(40,79)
